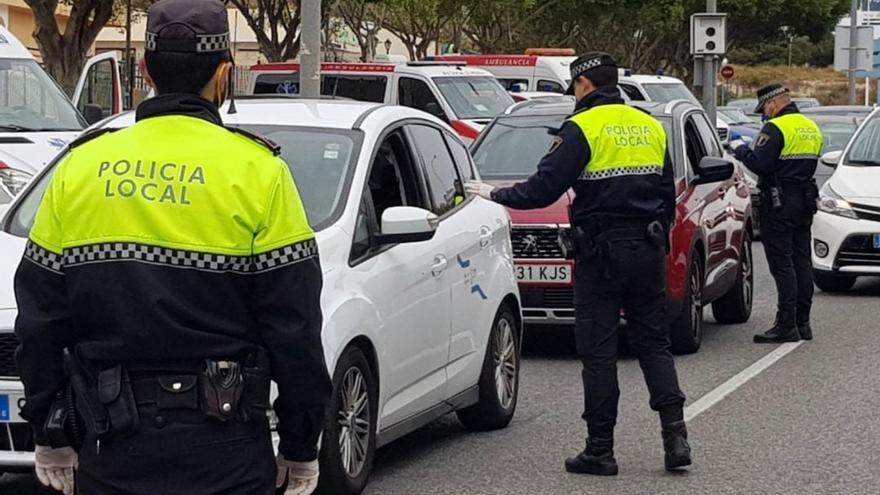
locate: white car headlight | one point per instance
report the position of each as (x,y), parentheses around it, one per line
(13,180)
(831,202)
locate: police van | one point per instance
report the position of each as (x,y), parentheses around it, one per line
(37,119)
(538,69)
(467,98)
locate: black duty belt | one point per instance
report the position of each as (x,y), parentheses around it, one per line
(167,391)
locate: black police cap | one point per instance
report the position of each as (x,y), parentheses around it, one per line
(767,93)
(585,63)
(188,26)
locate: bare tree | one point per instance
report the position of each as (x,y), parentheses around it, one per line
(275,23)
(364,18)
(64,52)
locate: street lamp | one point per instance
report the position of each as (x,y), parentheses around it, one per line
(786,31)
(387,46)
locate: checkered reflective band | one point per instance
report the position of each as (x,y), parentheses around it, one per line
(212,43)
(156,255)
(585,66)
(622,171)
(773,94)
(207,43)
(43,257)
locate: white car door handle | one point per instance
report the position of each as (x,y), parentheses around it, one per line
(439,266)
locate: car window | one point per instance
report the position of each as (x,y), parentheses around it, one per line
(632,92)
(865,148)
(509,83)
(512,146)
(550,86)
(277,84)
(666,92)
(98,88)
(707,135)
(444,184)
(356,87)
(474,97)
(363,231)
(393,180)
(30,99)
(694,151)
(417,94)
(461,156)
(836,135)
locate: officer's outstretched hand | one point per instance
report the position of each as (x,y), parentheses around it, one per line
(736,144)
(480,189)
(55,467)
(301,477)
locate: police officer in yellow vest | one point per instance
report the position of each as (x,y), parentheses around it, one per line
(615,158)
(784,157)
(170,274)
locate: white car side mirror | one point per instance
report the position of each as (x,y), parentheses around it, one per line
(406,224)
(831,159)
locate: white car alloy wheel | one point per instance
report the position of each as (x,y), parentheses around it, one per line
(354,421)
(505,363)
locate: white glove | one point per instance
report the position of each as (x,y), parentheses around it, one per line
(736,143)
(55,467)
(480,189)
(301,477)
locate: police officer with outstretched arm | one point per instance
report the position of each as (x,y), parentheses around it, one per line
(615,157)
(169,275)
(785,156)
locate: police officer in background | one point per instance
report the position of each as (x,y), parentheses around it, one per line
(785,156)
(169,274)
(615,158)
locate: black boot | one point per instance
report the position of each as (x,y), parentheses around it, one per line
(778,335)
(675,444)
(805,331)
(597,458)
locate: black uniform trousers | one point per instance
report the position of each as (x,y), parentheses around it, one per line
(632,277)
(180,452)
(786,237)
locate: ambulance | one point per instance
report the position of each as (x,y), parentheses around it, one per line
(537,70)
(37,120)
(467,98)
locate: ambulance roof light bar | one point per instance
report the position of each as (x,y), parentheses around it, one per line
(435,63)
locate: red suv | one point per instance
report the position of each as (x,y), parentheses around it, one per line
(711,256)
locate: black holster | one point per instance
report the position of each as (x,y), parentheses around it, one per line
(116,396)
(63,426)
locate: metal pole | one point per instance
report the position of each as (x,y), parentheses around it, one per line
(710,78)
(867,90)
(129,80)
(310,49)
(853,53)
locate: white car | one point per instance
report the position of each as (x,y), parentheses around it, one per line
(37,120)
(467,98)
(420,302)
(846,230)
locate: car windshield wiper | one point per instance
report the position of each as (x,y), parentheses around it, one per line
(869,163)
(21,128)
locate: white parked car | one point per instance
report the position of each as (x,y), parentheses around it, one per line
(37,119)
(421,308)
(846,230)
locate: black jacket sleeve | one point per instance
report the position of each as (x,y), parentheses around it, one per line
(763,160)
(287,308)
(558,171)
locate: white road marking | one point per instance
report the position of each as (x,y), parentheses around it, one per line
(720,392)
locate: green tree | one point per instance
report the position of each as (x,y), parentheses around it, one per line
(418,23)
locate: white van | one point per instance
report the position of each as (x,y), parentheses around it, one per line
(37,119)
(465,97)
(538,70)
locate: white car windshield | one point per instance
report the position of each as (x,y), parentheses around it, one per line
(31,101)
(865,149)
(474,97)
(321,161)
(666,92)
(513,146)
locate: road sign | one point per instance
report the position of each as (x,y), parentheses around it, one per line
(864,52)
(727,72)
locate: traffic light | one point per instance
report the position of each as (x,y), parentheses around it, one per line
(708,34)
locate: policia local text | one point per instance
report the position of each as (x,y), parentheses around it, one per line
(153,181)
